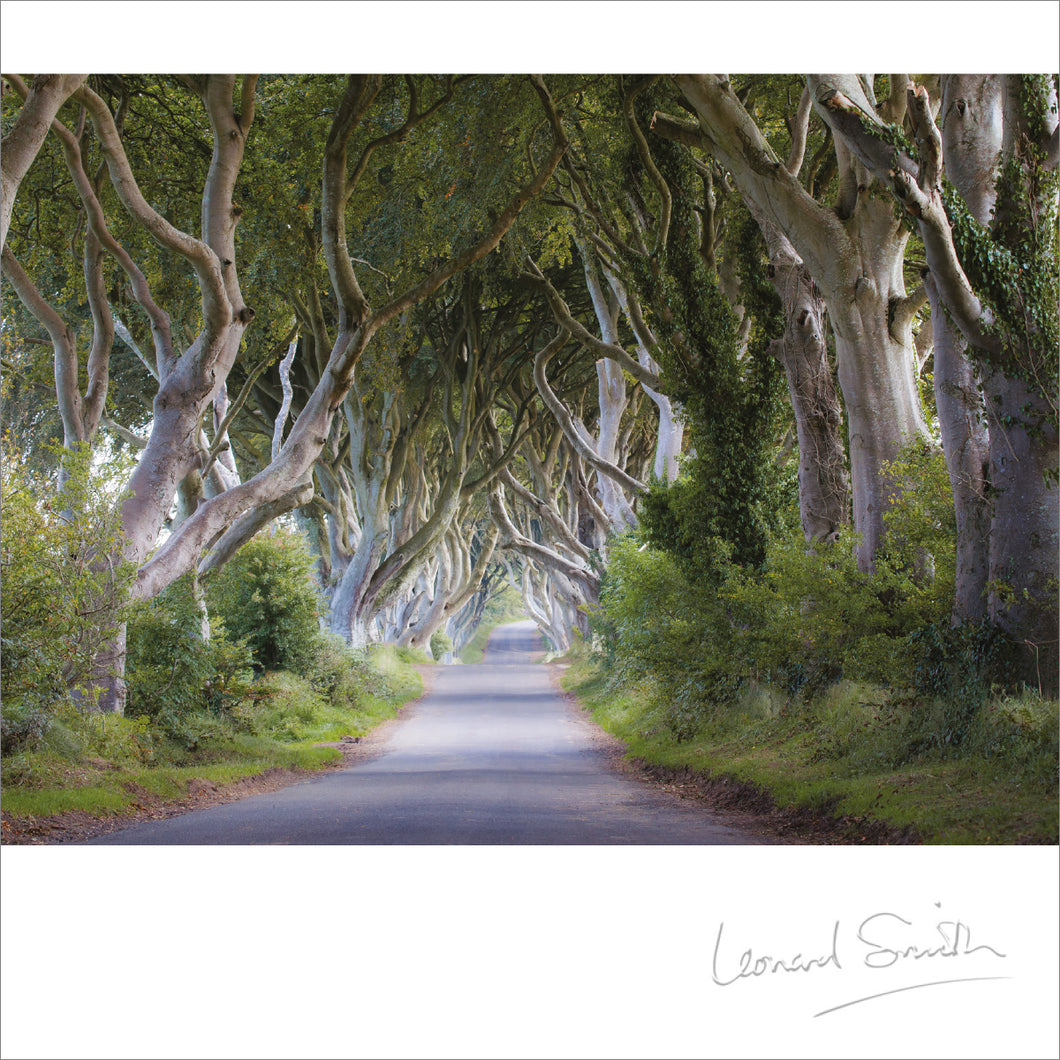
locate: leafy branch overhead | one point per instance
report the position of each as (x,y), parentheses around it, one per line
(468,329)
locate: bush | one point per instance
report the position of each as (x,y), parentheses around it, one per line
(651,619)
(283,706)
(801,620)
(63,591)
(266,597)
(172,673)
(341,675)
(440,643)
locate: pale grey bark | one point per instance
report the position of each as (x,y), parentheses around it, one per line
(980,119)
(545,603)
(543,532)
(225,473)
(456,581)
(854,254)
(249,523)
(376,469)
(824,485)
(567,320)
(288,393)
(966,443)
(611,401)
(670,432)
(358,324)
(42,100)
(64,345)
(971,139)
(511,538)
(549,513)
(576,433)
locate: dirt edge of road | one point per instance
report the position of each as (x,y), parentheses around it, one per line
(737,803)
(76,825)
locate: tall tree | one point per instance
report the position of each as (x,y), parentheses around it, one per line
(854,252)
(991,244)
(189,381)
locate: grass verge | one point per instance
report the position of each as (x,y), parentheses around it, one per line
(475,649)
(849,754)
(507,607)
(111,766)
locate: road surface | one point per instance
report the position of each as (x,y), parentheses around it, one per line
(491,756)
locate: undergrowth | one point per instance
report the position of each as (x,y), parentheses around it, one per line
(506,607)
(103,764)
(855,748)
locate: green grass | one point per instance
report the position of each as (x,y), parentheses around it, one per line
(106,765)
(848,753)
(393,662)
(123,787)
(475,649)
(504,608)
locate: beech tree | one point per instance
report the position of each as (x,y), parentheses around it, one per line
(990,236)
(824,484)
(43,98)
(464,327)
(854,252)
(189,382)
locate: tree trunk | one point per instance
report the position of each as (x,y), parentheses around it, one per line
(1024,532)
(966,443)
(347,611)
(824,485)
(46,95)
(992,124)
(855,255)
(875,363)
(1021,561)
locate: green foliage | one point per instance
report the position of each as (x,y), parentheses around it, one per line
(652,619)
(63,589)
(956,670)
(441,643)
(847,755)
(342,676)
(266,597)
(706,627)
(412,656)
(731,396)
(1014,264)
(263,611)
(505,606)
(175,677)
(283,706)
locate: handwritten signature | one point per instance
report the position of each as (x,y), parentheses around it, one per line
(881,941)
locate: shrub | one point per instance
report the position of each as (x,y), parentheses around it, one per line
(63,592)
(440,643)
(283,706)
(341,675)
(172,673)
(266,597)
(651,619)
(801,620)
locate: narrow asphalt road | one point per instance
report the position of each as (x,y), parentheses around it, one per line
(491,756)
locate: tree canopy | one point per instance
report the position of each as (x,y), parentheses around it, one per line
(466,326)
